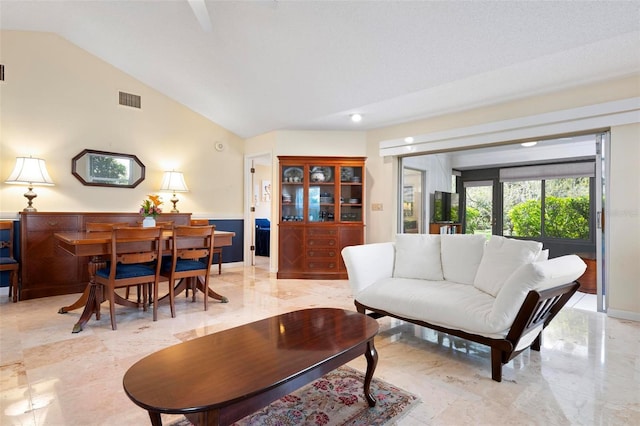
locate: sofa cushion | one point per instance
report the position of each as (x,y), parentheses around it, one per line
(418,256)
(502,256)
(461,255)
(451,305)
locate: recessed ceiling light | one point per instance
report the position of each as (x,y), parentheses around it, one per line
(408,139)
(356,118)
(528,144)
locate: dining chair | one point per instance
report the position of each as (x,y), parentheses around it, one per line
(106,227)
(134,261)
(216,250)
(192,251)
(7,260)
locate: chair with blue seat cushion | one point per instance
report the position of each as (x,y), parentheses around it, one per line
(192,252)
(7,260)
(134,261)
(216,250)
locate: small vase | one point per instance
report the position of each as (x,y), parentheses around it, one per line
(148,222)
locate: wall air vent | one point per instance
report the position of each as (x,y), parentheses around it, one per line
(1,72)
(127,99)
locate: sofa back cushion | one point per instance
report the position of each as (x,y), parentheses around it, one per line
(502,256)
(418,256)
(461,255)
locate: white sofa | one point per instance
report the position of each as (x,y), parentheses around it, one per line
(500,293)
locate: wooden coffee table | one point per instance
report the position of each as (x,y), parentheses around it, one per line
(222,377)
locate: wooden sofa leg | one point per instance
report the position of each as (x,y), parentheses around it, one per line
(496,364)
(535,345)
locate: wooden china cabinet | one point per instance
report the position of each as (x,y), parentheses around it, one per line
(322,203)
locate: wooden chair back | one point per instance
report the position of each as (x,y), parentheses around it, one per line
(7,258)
(6,238)
(132,247)
(216,250)
(192,253)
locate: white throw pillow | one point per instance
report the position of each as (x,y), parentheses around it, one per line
(418,256)
(502,256)
(461,256)
(544,255)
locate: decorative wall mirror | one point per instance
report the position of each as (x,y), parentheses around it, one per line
(101,168)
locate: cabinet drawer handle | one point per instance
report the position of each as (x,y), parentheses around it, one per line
(332,242)
(52,223)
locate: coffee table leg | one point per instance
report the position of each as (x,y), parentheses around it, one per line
(372,360)
(155,418)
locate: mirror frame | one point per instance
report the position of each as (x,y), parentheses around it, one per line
(77,168)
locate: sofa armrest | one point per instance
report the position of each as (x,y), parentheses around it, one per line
(536,276)
(368,263)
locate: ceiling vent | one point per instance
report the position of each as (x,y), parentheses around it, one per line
(130,100)
(1,72)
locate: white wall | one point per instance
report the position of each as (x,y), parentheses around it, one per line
(622,223)
(57,100)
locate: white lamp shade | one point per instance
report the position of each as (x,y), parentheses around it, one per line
(30,171)
(173,181)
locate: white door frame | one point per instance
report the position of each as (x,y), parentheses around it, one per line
(249,207)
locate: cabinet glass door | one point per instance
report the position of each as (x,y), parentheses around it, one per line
(292,194)
(322,197)
(351,194)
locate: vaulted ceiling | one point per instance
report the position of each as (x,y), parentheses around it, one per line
(258,66)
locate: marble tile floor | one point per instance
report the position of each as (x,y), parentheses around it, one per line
(587,373)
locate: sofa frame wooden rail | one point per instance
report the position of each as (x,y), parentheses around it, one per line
(538,309)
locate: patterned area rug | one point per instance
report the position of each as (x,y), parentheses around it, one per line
(334,399)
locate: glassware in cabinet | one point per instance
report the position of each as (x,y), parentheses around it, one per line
(351,194)
(292,194)
(321,193)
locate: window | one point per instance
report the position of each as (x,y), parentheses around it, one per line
(540,202)
(522,208)
(566,208)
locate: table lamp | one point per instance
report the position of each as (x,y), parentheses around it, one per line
(173,182)
(30,171)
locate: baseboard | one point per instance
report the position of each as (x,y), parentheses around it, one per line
(625,315)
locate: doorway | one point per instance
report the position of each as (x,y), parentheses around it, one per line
(258,206)
(485,207)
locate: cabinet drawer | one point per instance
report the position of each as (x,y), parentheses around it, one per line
(322,253)
(322,242)
(53,223)
(322,232)
(322,265)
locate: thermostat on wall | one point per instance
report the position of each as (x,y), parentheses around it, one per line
(219,146)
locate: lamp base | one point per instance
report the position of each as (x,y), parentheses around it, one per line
(174,200)
(30,195)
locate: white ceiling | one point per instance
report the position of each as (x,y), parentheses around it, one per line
(258,66)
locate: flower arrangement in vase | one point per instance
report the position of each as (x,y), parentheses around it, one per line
(150,209)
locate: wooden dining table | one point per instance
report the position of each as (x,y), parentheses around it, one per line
(97,245)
